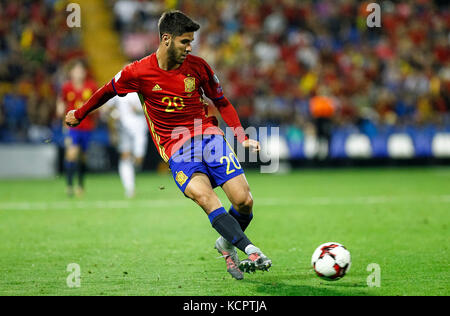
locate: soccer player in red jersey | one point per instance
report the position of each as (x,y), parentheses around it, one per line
(173,83)
(74,94)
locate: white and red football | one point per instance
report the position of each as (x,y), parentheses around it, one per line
(331,261)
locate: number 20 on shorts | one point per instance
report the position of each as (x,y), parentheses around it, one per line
(230,159)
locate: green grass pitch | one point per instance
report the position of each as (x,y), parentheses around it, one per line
(161,243)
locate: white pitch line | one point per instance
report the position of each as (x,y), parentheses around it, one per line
(108,204)
(355,200)
(170,203)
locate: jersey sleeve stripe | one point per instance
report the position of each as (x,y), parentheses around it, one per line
(114,88)
(217,99)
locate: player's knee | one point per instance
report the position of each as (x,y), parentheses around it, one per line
(245,204)
(204,200)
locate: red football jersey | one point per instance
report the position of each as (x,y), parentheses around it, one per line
(173,99)
(74,99)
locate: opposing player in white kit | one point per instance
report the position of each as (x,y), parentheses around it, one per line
(133,136)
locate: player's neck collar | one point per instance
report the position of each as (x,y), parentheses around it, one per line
(170,70)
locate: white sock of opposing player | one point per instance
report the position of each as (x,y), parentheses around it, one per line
(126,172)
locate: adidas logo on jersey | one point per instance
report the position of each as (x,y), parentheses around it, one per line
(156,88)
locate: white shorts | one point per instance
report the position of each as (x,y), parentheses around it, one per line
(133,141)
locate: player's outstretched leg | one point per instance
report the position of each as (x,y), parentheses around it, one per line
(200,190)
(244,220)
(238,192)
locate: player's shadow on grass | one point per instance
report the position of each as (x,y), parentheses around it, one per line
(277,287)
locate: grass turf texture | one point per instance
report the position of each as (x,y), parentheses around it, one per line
(161,243)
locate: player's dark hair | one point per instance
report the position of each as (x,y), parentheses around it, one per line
(176,23)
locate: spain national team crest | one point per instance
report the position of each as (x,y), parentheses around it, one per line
(189,84)
(181,178)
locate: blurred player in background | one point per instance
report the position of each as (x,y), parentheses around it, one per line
(322,108)
(131,127)
(74,93)
(173,83)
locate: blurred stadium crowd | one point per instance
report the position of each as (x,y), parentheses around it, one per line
(273,58)
(35,44)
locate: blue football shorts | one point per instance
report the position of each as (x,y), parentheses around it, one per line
(208,154)
(78,138)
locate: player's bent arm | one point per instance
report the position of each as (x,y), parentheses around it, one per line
(100,97)
(230,116)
